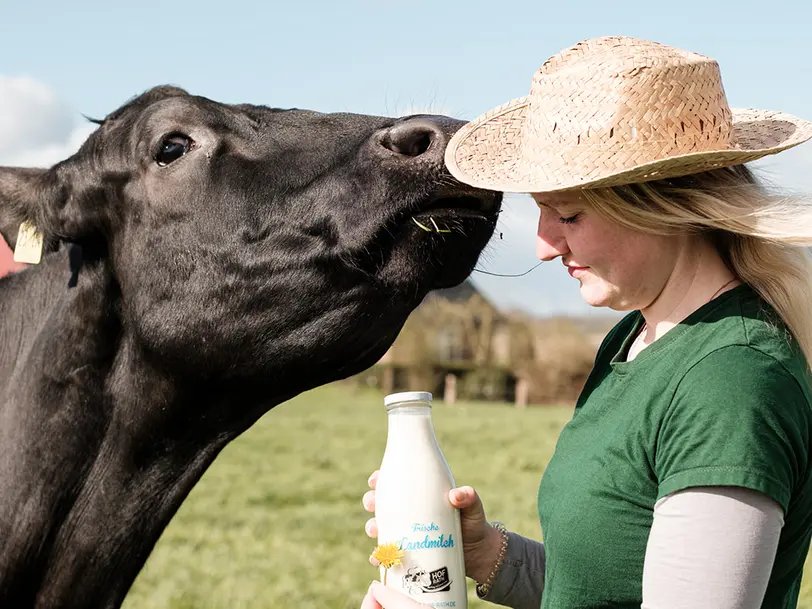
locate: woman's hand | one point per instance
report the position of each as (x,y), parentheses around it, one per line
(380,597)
(480,541)
(7,262)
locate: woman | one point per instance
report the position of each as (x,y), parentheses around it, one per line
(7,262)
(684,477)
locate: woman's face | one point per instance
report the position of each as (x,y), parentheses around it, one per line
(617,267)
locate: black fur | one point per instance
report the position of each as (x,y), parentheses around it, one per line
(178,304)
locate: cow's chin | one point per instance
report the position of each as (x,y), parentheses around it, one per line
(436,249)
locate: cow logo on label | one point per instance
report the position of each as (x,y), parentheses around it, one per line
(417,580)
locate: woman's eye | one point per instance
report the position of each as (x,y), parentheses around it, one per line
(570,220)
(172,148)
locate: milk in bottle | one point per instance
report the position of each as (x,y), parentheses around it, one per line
(413,510)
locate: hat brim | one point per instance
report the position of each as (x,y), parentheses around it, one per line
(487,152)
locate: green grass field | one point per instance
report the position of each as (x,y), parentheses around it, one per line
(277,521)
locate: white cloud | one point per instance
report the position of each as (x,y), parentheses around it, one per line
(37,129)
(51,153)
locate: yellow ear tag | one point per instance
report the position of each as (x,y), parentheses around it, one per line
(29,244)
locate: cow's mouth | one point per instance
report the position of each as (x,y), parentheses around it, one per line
(484,207)
(445,213)
(454,219)
(462,222)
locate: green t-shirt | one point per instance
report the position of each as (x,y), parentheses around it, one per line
(721,399)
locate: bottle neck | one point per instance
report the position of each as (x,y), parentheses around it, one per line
(410,423)
(409,409)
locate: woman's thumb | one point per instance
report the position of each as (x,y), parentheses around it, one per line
(466,498)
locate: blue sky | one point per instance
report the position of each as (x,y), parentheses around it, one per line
(450,57)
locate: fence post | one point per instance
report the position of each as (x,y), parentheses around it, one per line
(450,394)
(388,380)
(522,389)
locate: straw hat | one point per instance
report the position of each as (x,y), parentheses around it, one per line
(612,111)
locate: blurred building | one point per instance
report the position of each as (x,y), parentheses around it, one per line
(459,345)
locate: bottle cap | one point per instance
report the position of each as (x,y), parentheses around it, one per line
(407,396)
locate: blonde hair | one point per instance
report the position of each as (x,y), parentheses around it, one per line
(760,235)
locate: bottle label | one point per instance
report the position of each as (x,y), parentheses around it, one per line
(430,541)
(418,579)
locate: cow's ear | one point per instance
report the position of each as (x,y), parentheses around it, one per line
(54,200)
(25,196)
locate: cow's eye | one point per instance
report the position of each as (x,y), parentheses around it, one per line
(172,148)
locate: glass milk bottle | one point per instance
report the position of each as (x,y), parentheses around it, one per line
(412,507)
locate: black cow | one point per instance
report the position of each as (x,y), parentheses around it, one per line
(204,262)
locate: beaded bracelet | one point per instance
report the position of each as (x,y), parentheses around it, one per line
(483,589)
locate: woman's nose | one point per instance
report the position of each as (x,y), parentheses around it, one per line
(550,240)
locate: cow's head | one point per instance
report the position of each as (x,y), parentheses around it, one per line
(248,241)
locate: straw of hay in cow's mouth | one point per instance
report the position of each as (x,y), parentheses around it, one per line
(434,224)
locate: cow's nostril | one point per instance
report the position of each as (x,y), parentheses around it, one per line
(414,144)
(411,138)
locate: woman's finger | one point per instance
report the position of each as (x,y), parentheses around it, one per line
(373,479)
(371,528)
(368,500)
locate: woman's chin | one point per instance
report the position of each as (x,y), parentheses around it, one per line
(595,296)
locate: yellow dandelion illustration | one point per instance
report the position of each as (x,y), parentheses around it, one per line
(388,555)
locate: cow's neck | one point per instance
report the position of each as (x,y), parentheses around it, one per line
(100,448)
